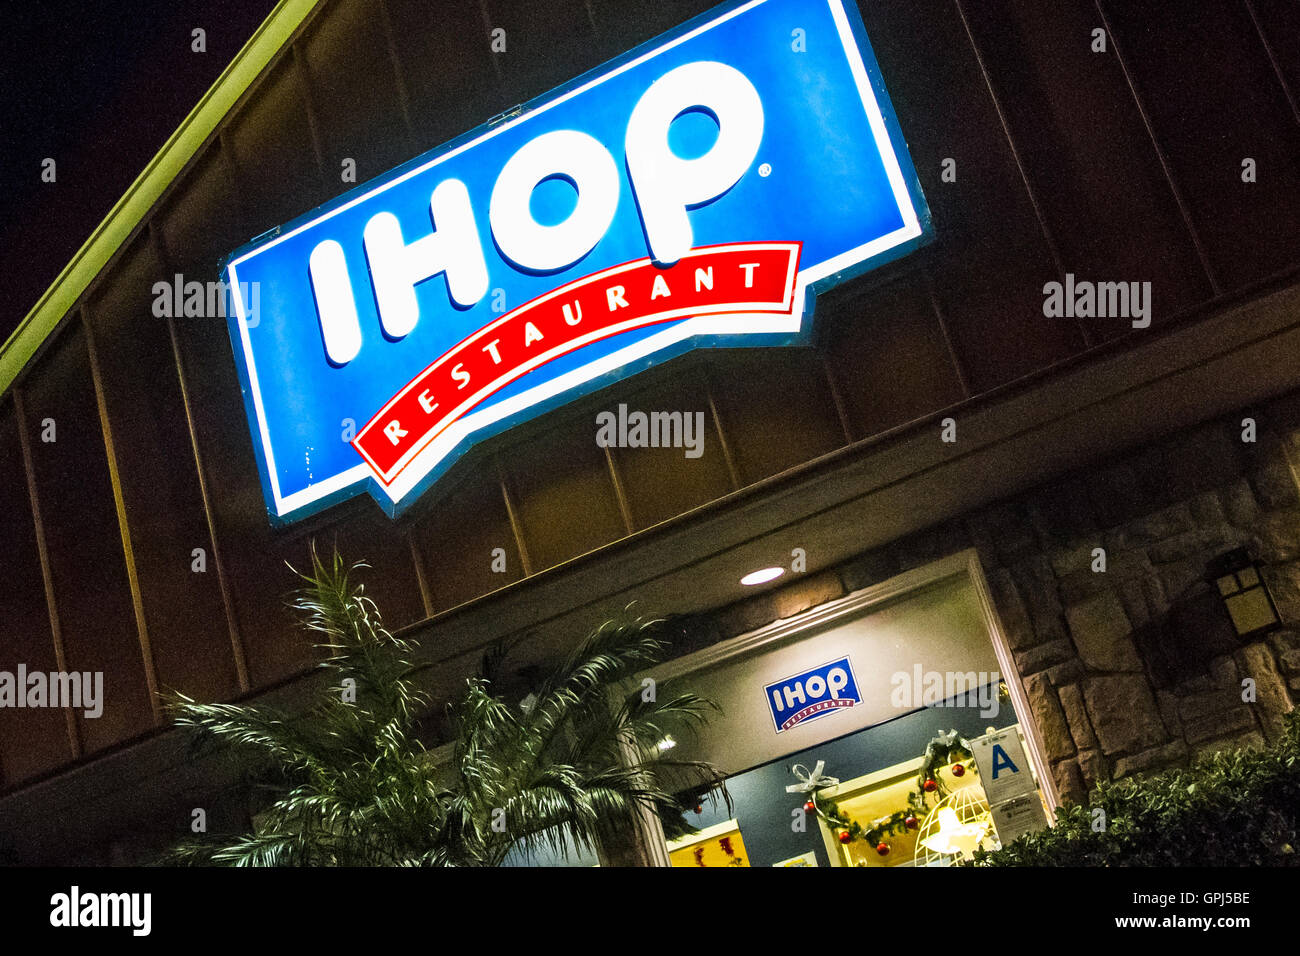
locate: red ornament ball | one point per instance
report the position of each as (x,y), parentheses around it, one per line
(931,786)
(699,808)
(910,823)
(809,807)
(882,848)
(958,769)
(844,836)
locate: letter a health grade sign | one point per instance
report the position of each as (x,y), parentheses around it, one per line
(697,191)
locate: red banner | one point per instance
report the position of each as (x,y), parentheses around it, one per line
(751,277)
(817,708)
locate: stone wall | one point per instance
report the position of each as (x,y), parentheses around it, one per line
(1136,667)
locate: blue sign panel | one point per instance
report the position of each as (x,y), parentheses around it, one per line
(697,191)
(814,693)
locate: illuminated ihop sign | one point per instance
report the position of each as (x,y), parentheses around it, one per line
(695,192)
(814,693)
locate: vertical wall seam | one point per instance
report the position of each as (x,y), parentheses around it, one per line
(421,580)
(1032,193)
(123,523)
(487,24)
(302,73)
(937,307)
(516,526)
(223,582)
(623,507)
(836,397)
(732,472)
(228,163)
(1272,59)
(1183,209)
(403,99)
(47,574)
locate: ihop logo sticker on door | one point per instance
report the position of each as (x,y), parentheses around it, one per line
(696,192)
(814,693)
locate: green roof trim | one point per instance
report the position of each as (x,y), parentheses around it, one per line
(274,33)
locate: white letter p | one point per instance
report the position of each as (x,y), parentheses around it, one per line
(666,185)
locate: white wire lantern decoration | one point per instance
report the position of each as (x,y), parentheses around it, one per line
(959,824)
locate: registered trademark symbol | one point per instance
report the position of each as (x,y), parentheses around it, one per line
(765,170)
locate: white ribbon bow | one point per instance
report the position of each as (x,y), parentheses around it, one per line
(810,782)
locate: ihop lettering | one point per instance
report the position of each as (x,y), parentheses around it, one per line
(696,192)
(752,276)
(815,693)
(665,186)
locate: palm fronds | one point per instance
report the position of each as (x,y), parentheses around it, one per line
(572,768)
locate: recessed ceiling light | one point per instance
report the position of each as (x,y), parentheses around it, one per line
(762,577)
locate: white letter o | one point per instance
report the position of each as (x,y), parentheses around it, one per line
(562,152)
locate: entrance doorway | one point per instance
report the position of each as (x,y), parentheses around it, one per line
(850,733)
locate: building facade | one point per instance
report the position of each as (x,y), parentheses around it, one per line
(1079,473)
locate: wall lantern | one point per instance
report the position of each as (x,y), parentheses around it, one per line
(1244,593)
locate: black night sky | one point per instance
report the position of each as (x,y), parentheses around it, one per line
(98,86)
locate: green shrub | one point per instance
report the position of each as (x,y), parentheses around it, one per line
(1233,808)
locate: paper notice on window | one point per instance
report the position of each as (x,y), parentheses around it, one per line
(1019,815)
